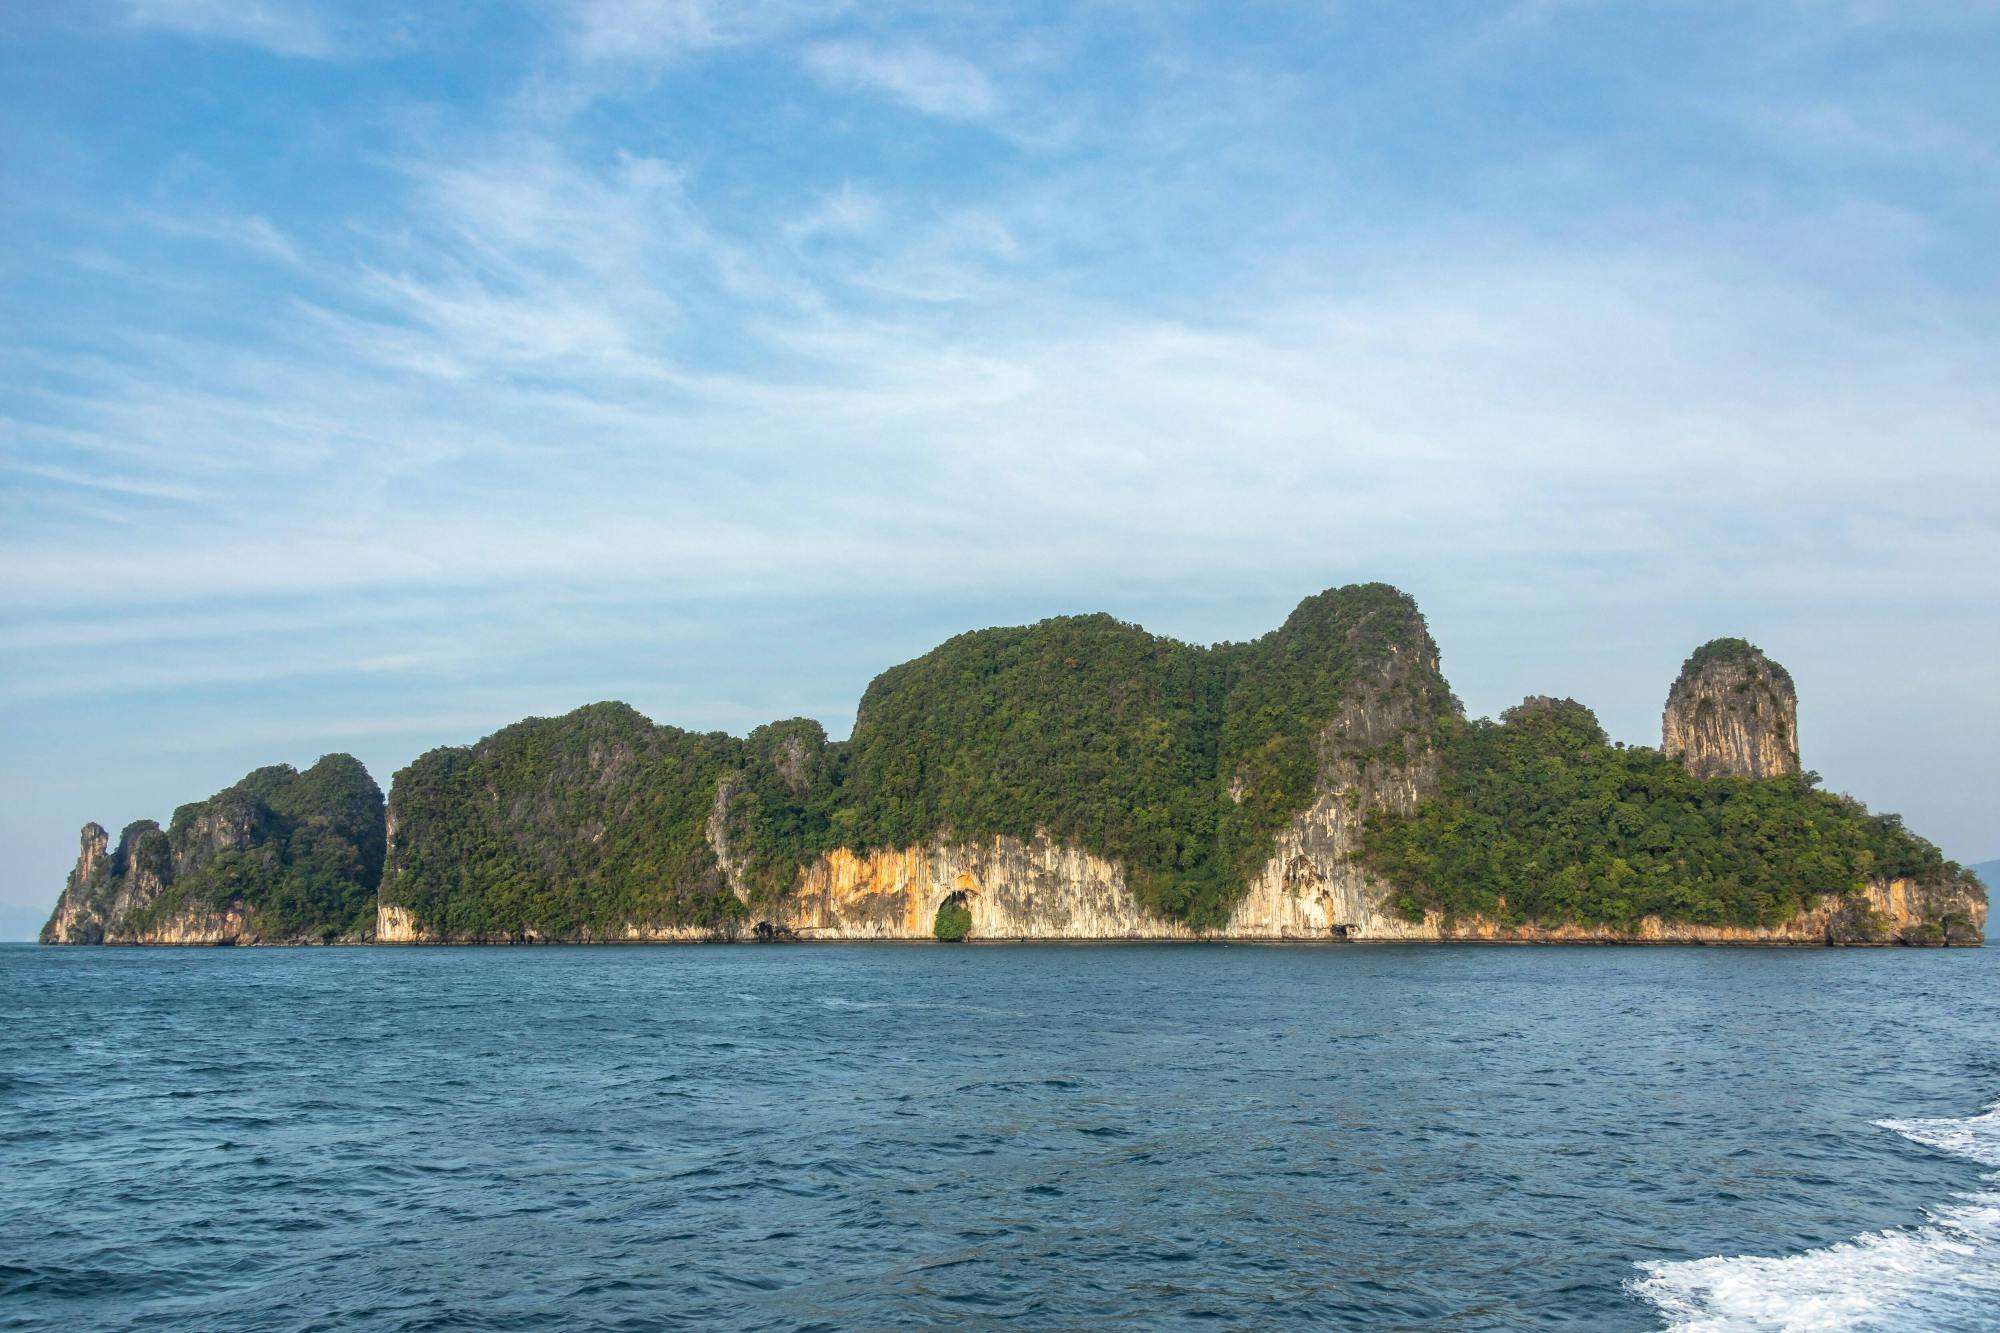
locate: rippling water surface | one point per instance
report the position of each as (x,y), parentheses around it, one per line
(1063,1137)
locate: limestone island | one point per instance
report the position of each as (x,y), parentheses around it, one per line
(1077,779)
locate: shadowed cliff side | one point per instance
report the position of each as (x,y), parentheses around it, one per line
(586,826)
(282,856)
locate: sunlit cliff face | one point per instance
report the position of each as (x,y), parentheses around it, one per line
(1732,713)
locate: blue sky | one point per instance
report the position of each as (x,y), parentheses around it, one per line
(374,374)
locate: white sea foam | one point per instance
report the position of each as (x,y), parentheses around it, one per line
(1941,1275)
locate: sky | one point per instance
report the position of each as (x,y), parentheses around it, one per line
(375,374)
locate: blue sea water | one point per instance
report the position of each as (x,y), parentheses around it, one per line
(841,1137)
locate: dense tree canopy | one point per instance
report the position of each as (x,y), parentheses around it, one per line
(1733,652)
(302,852)
(1541,819)
(563,825)
(1180,762)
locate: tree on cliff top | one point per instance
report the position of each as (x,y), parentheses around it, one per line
(1179,762)
(1539,819)
(1733,652)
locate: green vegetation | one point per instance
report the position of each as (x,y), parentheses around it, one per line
(1086,727)
(564,826)
(1179,762)
(1733,652)
(1100,734)
(1290,685)
(954,920)
(783,780)
(1541,820)
(302,852)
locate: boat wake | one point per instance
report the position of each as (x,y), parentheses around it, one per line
(1941,1275)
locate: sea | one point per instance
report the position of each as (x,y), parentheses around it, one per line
(1066,1137)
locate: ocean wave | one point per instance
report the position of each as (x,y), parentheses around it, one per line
(1941,1275)
(1977,1137)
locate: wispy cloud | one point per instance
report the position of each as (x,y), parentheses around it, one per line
(253,234)
(286,27)
(919,77)
(1619,380)
(655,31)
(139,486)
(719,391)
(846,212)
(1884,132)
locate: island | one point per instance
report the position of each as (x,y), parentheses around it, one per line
(1076,779)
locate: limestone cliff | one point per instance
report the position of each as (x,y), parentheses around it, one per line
(1376,755)
(1038,890)
(116,898)
(1364,661)
(280,856)
(1079,778)
(1732,713)
(107,887)
(1016,889)
(80,911)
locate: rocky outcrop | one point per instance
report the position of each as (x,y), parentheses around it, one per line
(1016,889)
(106,892)
(1905,911)
(1879,912)
(716,831)
(82,910)
(1237,782)
(397,925)
(1732,713)
(282,855)
(1375,755)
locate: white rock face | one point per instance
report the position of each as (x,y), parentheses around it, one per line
(1028,889)
(1035,889)
(395,925)
(1732,714)
(105,890)
(1039,890)
(78,917)
(717,832)
(1309,890)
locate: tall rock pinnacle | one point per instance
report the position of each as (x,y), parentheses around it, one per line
(1732,713)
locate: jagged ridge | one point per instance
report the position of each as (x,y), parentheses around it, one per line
(281,855)
(1077,778)
(1180,764)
